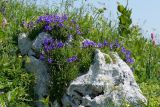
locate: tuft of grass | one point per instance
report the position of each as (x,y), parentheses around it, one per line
(15,82)
(150,89)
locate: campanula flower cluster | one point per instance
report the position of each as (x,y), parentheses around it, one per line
(54,23)
(50,44)
(88,43)
(127,54)
(30,24)
(72,59)
(113,45)
(51,20)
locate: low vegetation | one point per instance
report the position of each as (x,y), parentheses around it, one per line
(69,52)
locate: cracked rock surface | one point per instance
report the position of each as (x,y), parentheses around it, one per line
(105,85)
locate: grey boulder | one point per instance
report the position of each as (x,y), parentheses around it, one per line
(34,65)
(39,69)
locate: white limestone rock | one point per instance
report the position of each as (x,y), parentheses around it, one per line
(105,85)
(24,44)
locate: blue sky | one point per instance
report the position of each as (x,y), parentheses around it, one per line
(145,12)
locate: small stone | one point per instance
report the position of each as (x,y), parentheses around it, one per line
(37,43)
(24,44)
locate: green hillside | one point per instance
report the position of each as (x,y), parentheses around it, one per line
(16,84)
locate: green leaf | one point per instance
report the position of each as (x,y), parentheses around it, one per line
(121,8)
(123,19)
